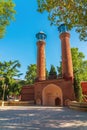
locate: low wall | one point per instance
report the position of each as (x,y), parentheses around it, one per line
(77,106)
(17,103)
(27,93)
(84,87)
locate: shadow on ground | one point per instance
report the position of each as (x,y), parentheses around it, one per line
(42,118)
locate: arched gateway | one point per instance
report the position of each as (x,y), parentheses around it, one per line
(52,95)
(56,91)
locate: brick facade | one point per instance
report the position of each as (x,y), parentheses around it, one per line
(27,93)
(41,74)
(67,68)
(64,85)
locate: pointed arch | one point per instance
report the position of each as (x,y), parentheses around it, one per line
(50,94)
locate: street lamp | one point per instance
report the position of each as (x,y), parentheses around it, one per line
(4,86)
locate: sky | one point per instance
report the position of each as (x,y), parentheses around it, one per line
(19,42)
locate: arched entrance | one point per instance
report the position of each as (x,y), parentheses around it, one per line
(52,95)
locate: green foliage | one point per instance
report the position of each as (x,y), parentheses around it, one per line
(6,15)
(77,88)
(8,70)
(80,71)
(21,82)
(79,64)
(59,69)
(47,74)
(52,73)
(15,89)
(71,12)
(31,74)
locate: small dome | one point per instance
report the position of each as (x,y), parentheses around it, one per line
(62,28)
(41,35)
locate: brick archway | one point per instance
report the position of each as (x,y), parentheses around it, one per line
(50,93)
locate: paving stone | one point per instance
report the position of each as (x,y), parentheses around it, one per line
(41,118)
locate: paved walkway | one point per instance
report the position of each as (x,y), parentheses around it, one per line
(41,118)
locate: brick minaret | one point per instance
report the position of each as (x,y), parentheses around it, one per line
(41,67)
(67,68)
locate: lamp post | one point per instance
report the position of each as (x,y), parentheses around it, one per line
(4,86)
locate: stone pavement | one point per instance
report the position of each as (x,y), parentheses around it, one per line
(41,118)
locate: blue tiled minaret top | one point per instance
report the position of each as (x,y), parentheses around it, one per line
(62,28)
(41,36)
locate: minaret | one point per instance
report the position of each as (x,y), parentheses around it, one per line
(67,68)
(41,67)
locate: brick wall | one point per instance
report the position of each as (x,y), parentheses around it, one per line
(27,93)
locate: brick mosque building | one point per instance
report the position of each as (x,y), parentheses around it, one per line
(53,92)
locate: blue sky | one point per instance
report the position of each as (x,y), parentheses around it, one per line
(19,42)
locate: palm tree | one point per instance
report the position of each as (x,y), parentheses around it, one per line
(8,71)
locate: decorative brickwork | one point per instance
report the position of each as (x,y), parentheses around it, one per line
(47,91)
(41,68)
(67,69)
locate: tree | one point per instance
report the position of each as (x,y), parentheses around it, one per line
(52,73)
(47,74)
(6,15)
(79,64)
(8,71)
(79,70)
(77,87)
(59,69)
(15,88)
(31,74)
(71,12)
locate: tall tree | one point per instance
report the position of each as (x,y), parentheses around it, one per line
(47,74)
(59,69)
(6,15)
(52,73)
(79,63)
(71,12)
(77,87)
(8,71)
(80,71)
(31,74)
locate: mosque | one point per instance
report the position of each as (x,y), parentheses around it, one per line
(53,92)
